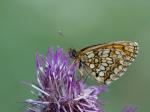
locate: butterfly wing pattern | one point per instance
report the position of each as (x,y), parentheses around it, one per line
(107,62)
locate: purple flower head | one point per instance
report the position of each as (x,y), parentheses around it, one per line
(130,109)
(58,89)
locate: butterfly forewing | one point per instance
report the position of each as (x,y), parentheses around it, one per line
(107,62)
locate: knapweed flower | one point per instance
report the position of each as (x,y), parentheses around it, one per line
(59,90)
(129,109)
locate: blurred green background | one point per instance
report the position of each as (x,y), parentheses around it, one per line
(28,26)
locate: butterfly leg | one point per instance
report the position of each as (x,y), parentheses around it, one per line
(84,72)
(83,76)
(81,73)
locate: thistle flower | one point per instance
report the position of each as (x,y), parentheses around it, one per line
(58,89)
(129,109)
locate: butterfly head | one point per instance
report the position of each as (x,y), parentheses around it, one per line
(72,53)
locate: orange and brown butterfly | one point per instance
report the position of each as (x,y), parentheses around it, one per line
(105,62)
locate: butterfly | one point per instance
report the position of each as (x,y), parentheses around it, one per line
(105,62)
